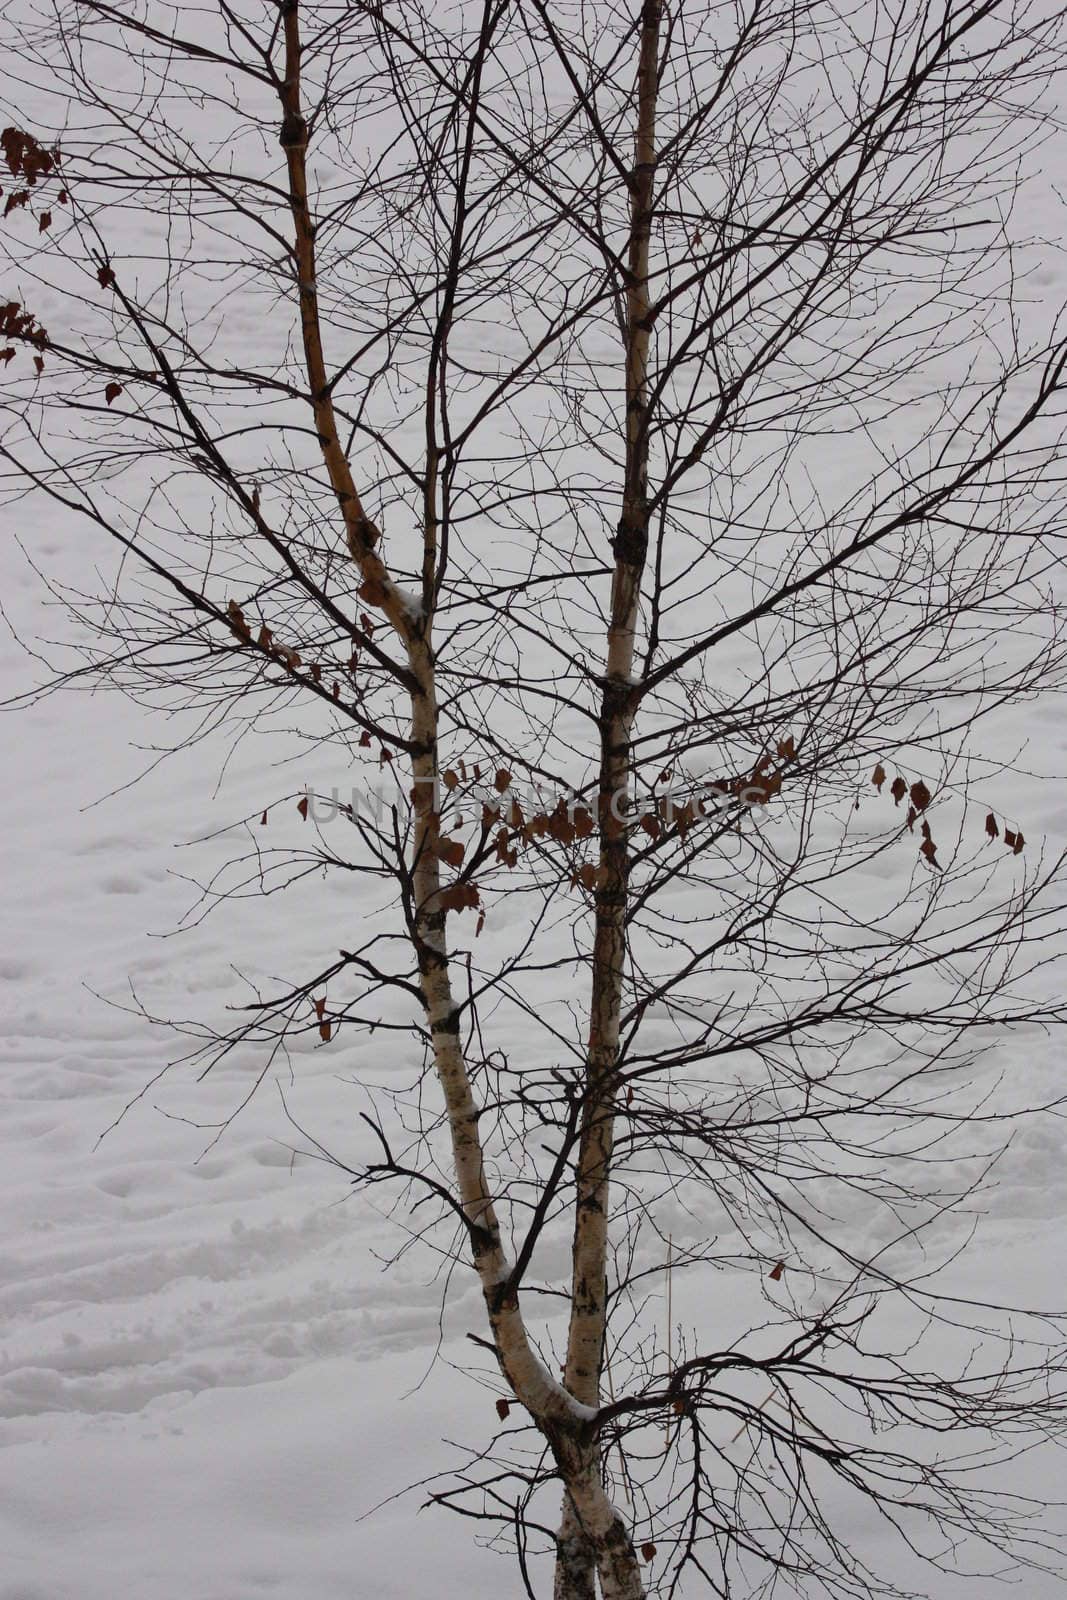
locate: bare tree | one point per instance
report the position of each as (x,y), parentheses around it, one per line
(616,433)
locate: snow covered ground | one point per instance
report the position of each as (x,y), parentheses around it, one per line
(206,1378)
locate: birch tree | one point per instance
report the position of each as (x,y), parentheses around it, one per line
(621,433)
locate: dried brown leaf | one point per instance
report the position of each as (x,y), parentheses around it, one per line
(584,825)
(460,897)
(450,851)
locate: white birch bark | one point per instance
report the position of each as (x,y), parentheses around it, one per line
(565,1423)
(585,1345)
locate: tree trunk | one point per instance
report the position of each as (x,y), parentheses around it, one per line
(575,1564)
(598,1535)
(615,1560)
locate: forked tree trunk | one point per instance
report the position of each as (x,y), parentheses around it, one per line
(600,1538)
(578,1550)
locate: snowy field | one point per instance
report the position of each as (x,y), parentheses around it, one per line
(206,1378)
